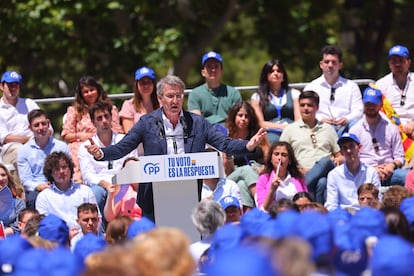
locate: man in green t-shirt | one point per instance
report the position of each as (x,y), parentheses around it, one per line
(213,99)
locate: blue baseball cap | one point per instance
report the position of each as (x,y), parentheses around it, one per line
(279,227)
(54,229)
(348,136)
(253,220)
(11,76)
(315,228)
(10,249)
(60,261)
(139,226)
(211,55)
(399,50)
(30,262)
(392,256)
(240,261)
(226,237)
(407,208)
(144,72)
(372,95)
(228,201)
(89,244)
(368,222)
(350,255)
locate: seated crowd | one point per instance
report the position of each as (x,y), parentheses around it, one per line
(333,160)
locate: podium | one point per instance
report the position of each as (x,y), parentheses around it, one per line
(174,184)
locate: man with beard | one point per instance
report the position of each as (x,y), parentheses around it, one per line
(344,180)
(381,141)
(398,86)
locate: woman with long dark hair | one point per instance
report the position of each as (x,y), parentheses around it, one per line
(243,168)
(281,176)
(275,103)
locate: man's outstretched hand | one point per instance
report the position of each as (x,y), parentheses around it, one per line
(94,150)
(256,139)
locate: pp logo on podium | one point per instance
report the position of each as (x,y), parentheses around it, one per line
(151,168)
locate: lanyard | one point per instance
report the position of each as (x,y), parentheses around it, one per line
(278,105)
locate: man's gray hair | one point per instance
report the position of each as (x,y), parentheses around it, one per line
(170,80)
(208,216)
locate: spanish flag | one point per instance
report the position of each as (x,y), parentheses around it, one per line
(408,143)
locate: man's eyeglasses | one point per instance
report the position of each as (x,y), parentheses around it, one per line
(402,103)
(314,141)
(332,94)
(375,143)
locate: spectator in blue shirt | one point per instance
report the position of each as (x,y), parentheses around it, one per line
(31,156)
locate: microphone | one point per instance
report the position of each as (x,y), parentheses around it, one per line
(183,122)
(160,124)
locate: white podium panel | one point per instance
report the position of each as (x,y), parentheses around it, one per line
(174,203)
(171,168)
(174,184)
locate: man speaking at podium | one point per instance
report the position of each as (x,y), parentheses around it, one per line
(171,130)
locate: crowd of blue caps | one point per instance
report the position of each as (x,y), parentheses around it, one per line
(19,257)
(338,240)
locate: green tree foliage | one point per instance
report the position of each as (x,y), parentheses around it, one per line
(54,42)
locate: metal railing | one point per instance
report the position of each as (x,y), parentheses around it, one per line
(127,95)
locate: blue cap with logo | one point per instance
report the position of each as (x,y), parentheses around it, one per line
(11,76)
(399,50)
(10,249)
(211,55)
(348,137)
(372,95)
(228,201)
(144,72)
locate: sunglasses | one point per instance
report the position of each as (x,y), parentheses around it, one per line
(402,103)
(375,143)
(332,94)
(314,141)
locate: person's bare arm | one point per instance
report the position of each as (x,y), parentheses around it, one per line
(338,158)
(127,124)
(16,138)
(271,193)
